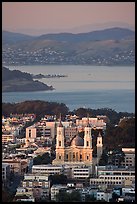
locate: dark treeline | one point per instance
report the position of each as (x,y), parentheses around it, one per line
(40,108)
(118,134)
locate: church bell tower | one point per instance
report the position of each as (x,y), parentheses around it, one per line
(60,147)
(99,146)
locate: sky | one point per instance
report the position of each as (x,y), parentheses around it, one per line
(38,17)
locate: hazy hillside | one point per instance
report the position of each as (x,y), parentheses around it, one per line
(107,34)
(11,38)
(114,46)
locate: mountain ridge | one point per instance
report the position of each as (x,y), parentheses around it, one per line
(109,33)
(113,46)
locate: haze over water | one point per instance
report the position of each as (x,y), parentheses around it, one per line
(85,86)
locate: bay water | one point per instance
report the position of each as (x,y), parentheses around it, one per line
(85,86)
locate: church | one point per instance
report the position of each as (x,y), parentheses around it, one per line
(79,151)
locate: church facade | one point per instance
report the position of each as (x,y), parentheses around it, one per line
(79,152)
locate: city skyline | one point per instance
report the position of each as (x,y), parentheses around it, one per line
(44,17)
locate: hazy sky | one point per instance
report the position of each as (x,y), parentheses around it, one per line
(17,16)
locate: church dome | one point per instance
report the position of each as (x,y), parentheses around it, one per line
(77,141)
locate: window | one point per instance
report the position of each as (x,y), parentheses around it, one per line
(59,143)
(29,133)
(87,143)
(59,157)
(87,157)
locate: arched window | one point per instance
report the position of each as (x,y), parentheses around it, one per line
(29,133)
(59,143)
(80,157)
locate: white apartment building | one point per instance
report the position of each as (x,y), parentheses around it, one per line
(31,180)
(102,195)
(81,172)
(77,172)
(112,177)
(47,169)
(37,183)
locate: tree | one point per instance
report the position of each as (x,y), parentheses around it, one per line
(44,159)
(58,179)
(104,159)
(69,197)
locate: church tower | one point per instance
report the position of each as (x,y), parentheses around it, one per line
(60,147)
(87,144)
(99,146)
(87,136)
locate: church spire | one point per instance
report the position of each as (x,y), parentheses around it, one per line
(88,124)
(60,123)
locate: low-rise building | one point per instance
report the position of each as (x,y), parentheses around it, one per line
(18,166)
(8,138)
(113,177)
(81,172)
(129,159)
(94,122)
(24,194)
(55,189)
(39,184)
(104,195)
(47,169)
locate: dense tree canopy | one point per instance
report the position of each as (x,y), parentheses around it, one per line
(40,108)
(122,135)
(58,179)
(44,159)
(69,197)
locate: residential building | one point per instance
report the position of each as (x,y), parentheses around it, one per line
(129,159)
(18,166)
(55,189)
(104,195)
(47,169)
(8,138)
(114,177)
